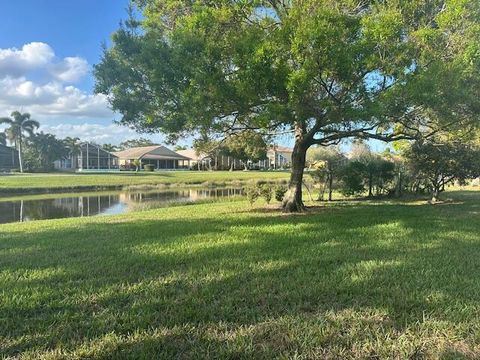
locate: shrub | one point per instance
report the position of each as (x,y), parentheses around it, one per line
(252,193)
(280,191)
(148,167)
(266,192)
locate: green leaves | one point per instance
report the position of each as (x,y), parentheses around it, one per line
(357,69)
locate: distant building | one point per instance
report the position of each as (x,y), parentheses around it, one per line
(8,158)
(91,157)
(158,156)
(279,156)
(219,162)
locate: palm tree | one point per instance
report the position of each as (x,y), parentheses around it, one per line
(74,147)
(109,148)
(18,125)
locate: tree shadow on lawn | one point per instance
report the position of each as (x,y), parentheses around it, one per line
(192,276)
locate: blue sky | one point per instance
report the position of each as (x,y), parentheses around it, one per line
(47,49)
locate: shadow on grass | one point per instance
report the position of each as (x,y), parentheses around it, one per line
(270,281)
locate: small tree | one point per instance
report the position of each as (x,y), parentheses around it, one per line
(280,191)
(376,171)
(326,164)
(137,163)
(442,162)
(352,177)
(266,192)
(252,192)
(245,146)
(206,148)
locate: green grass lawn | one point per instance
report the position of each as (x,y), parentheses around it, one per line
(59,181)
(370,280)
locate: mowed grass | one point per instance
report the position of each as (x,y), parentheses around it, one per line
(65,180)
(369,280)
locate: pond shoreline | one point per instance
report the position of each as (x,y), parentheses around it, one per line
(81,204)
(7,192)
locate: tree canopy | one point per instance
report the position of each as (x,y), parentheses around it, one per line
(441,161)
(42,149)
(324,70)
(141,142)
(245,146)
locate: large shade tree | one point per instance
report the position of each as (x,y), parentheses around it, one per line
(324,70)
(3,138)
(18,125)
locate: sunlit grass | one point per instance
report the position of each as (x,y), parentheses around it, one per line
(65,181)
(347,280)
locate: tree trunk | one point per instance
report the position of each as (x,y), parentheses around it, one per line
(330,183)
(398,188)
(436,189)
(20,160)
(293,198)
(370,186)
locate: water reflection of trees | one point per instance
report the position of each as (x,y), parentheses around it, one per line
(179,195)
(77,206)
(26,210)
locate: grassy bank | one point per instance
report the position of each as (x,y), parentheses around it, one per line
(22,183)
(371,280)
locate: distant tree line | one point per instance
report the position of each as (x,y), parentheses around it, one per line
(37,151)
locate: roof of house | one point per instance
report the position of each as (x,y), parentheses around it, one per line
(156,152)
(192,154)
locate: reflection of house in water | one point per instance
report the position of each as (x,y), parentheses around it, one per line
(86,205)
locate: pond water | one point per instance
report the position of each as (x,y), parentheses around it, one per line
(79,205)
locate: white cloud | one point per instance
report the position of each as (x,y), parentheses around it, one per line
(55,96)
(100,134)
(71,69)
(52,98)
(17,62)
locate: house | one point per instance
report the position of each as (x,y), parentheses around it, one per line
(8,158)
(217,162)
(158,156)
(90,157)
(279,157)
